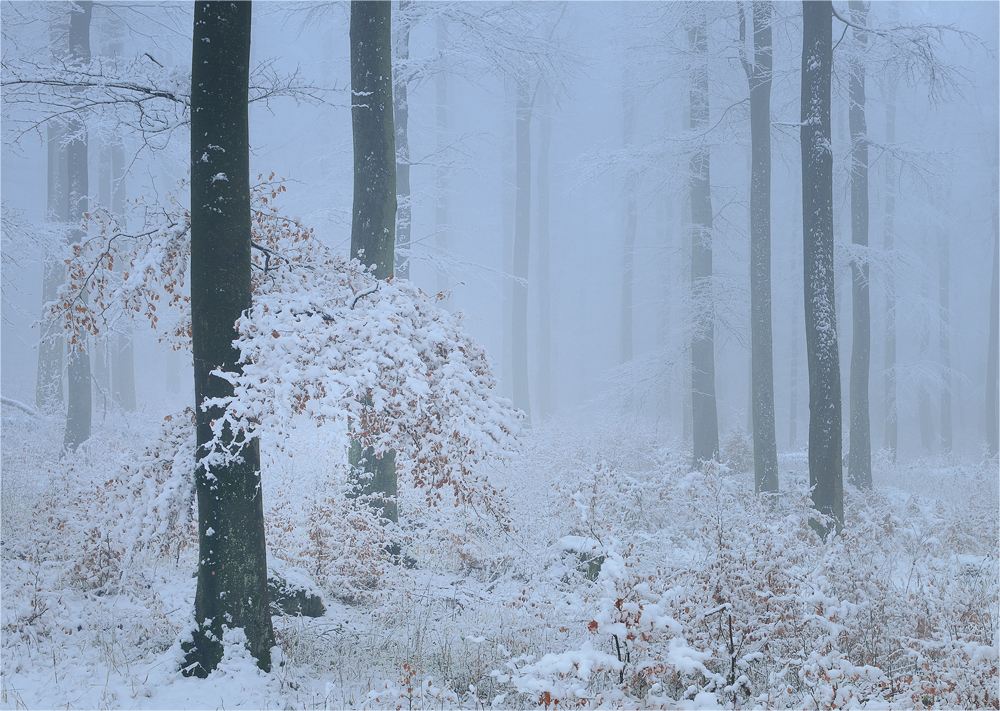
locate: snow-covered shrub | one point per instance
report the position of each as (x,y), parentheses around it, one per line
(106,509)
(737,450)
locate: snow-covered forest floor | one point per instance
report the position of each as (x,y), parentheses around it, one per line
(624,579)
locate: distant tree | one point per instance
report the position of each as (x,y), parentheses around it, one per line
(78,392)
(373,236)
(888,242)
(762,366)
(859,462)
(401,116)
(544,339)
(51,342)
(631,218)
(522,240)
(944,331)
(825,423)
(232,559)
(705,416)
(993,346)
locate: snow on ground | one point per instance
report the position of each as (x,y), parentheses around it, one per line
(627,580)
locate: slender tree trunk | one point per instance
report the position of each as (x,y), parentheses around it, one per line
(232,560)
(705,423)
(889,233)
(522,236)
(924,393)
(373,228)
(631,218)
(762,365)
(507,208)
(665,234)
(944,336)
(122,354)
(993,346)
(401,119)
(102,346)
(544,395)
(825,423)
(78,401)
(51,343)
(859,462)
(441,172)
(793,388)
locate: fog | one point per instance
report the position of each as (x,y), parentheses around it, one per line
(949,154)
(613,316)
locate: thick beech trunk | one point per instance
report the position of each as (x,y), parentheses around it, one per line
(78,392)
(51,343)
(765,448)
(859,458)
(705,421)
(825,423)
(232,560)
(373,230)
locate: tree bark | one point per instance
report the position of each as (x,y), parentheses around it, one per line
(705,424)
(825,423)
(373,230)
(631,218)
(544,396)
(765,447)
(401,122)
(859,462)
(232,565)
(793,385)
(78,400)
(889,233)
(522,237)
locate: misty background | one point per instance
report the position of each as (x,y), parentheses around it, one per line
(461,135)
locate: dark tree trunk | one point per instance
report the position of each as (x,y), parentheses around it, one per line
(401,118)
(888,239)
(825,423)
(859,458)
(924,393)
(705,424)
(232,565)
(631,218)
(544,397)
(374,227)
(522,236)
(944,336)
(765,448)
(993,346)
(78,400)
(373,230)
(441,172)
